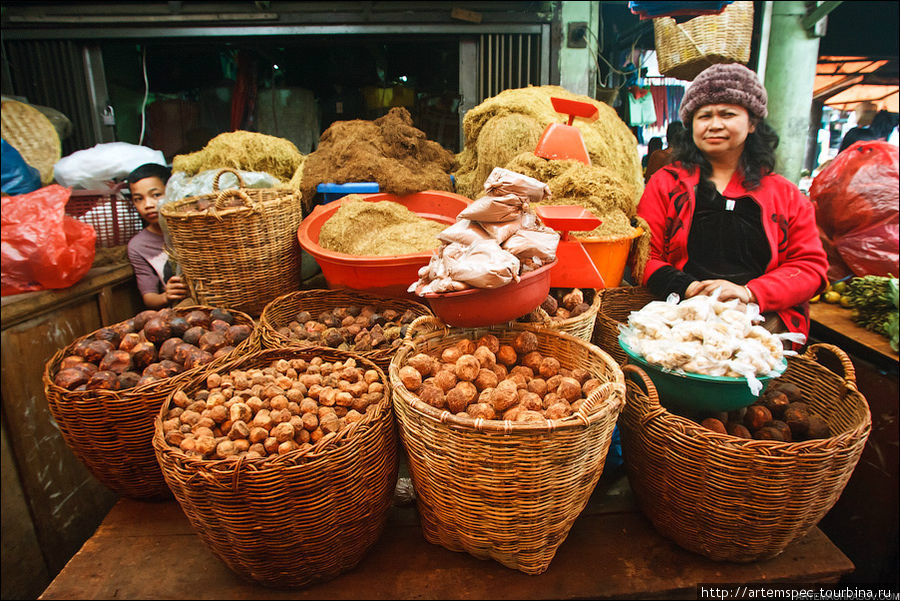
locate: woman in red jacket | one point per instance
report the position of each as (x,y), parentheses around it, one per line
(719,216)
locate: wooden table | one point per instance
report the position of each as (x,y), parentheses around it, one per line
(148,550)
(834,322)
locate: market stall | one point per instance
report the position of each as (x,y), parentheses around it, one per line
(384,360)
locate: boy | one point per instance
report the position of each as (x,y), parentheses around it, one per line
(156,282)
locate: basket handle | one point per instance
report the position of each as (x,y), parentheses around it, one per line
(230,193)
(215,185)
(849,375)
(640,377)
(426,323)
(601,394)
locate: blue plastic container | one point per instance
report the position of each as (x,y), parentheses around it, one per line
(330,192)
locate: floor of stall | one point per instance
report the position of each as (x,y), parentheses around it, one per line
(148,550)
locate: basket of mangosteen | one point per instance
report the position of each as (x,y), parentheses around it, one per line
(569,310)
(744,484)
(351,321)
(105,388)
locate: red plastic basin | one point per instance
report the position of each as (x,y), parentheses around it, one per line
(479,307)
(388,275)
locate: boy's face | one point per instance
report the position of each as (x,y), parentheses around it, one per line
(145,194)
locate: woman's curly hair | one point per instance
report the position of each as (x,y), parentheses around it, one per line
(757,160)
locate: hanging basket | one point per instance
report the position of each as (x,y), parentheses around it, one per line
(684,50)
(737,499)
(240,252)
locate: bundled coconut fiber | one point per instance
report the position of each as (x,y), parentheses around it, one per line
(246,151)
(510,123)
(388,150)
(381,228)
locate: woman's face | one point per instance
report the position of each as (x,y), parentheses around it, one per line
(145,194)
(720,130)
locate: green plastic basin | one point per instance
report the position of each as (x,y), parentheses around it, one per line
(697,393)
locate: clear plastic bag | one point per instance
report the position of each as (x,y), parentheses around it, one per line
(503,181)
(181,185)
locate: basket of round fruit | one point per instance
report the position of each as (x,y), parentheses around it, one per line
(105,388)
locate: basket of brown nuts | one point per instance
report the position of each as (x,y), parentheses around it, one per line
(105,388)
(283,460)
(370,326)
(507,430)
(616,304)
(734,498)
(573,311)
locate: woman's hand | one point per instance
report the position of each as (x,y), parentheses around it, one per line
(730,290)
(176,289)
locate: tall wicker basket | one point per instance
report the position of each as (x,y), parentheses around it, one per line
(239,257)
(299,518)
(684,50)
(734,499)
(497,489)
(282,310)
(110,431)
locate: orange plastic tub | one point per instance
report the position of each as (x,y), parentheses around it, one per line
(609,255)
(387,275)
(480,307)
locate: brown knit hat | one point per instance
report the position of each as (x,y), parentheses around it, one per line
(731,83)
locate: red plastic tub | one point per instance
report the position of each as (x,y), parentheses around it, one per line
(389,275)
(480,307)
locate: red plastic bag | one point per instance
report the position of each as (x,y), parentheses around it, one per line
(856,200)
(42,247)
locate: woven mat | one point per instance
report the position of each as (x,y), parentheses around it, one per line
(33,135)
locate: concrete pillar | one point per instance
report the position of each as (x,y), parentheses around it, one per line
(790,74)
(578,46)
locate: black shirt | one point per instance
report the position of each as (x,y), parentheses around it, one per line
(726,242)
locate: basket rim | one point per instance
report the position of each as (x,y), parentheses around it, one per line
(149,387)
(606,398)
(677,425)
(269,327)
(326,447)
(173,209)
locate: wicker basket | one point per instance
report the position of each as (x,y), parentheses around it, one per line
(734,499)
(498,489)
(110,431)
(282,310)
(684,50)
(299,518)
(580,326)
(616,304)
(237,257)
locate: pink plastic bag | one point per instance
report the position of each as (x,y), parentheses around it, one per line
(42,247)
(856,199)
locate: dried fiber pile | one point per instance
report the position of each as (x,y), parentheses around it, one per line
(388,150)
(503,127)
(246,151)
(380,228)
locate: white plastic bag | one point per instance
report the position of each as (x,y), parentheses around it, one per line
(92,168)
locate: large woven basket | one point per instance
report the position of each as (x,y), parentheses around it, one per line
(497,489)
(736,499)
(580,326)
(238,257)
(110,431)
(616,304)
(684,50)
(299,518)
(282,310)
